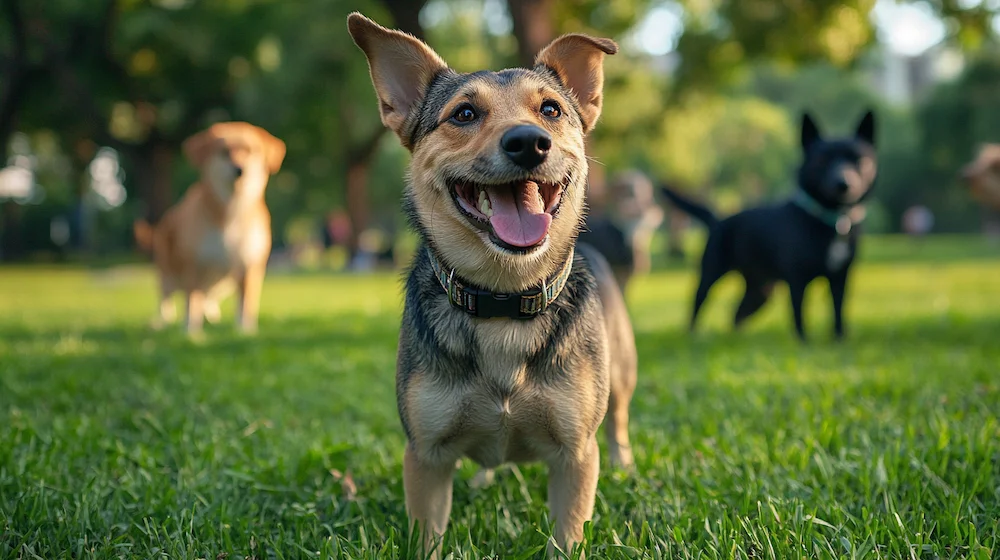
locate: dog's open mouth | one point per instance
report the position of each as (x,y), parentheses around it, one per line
(517,215)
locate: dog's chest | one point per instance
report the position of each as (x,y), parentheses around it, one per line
(500,412)
(232,246)
(838,253)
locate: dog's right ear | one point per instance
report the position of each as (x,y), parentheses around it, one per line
(198,148)
(810,132)
(401,68)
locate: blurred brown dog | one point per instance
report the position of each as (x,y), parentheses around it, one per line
(218,237)
(982,176)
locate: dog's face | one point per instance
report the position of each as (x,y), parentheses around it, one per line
(838,173)
(982,176)
(235,159)
(498,169)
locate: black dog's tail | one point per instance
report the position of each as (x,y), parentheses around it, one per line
(690,207)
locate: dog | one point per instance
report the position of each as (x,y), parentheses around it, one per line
(515,342)
(624,234)
(217,239)
(814,234)
(982,176)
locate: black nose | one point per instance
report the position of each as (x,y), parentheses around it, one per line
(239,171)
(526,145)
(841,187)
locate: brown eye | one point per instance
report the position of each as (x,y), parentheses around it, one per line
(551,109)
(464,114)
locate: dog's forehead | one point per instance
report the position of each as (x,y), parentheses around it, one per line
(449,85)
(850,149)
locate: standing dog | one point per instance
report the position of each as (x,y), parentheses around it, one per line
(811,235)
(219,235)
(514,343)
(982,176)
(624,234)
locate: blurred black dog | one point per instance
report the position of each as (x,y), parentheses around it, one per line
(814,234)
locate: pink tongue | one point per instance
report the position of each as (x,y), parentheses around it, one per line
(519,216)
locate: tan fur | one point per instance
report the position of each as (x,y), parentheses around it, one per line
(444,154)
(218,237)
(507,409)
(982,176)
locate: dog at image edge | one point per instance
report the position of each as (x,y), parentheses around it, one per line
(217,238)
(514,342)
(982,176)
(812,235)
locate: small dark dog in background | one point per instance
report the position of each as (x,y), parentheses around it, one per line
(812,235)
(623,233)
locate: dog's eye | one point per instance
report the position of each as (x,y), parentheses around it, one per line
(464,114)
(551,109)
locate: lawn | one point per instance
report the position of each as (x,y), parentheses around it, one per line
(117,441)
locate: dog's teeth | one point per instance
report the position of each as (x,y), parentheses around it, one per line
(484,204)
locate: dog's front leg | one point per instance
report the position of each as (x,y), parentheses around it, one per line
(247,307)
(195,311)
(572,488)
(798,293)
(428,487)
(838,286)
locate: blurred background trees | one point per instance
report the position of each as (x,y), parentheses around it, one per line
(705,95)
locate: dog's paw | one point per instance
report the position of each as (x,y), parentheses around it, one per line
(621,459)
(213,314)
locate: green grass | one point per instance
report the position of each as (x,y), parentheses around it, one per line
(120,442)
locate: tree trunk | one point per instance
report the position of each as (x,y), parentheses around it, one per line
(406,14)
(11,247)
(14,82)
(357,201)
(533,27)
(152,172)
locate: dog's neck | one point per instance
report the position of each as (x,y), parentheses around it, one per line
(231,209)
(840,219)
(485,304)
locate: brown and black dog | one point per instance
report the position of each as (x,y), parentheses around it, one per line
(218,237)
(515,342)
(982,176)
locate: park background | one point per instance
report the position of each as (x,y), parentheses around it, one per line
(705,95)
(121,441)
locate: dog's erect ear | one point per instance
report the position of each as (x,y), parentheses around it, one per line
(810,132)
(866,128)
(198,148)
(401,67)
(274,150)
(579,62)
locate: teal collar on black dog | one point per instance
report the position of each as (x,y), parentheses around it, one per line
(490,305)
(839,220)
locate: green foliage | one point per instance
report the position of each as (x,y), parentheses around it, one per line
(118,441)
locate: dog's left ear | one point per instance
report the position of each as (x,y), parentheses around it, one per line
(578,60)
(274,150)
(866,128)
(401,67)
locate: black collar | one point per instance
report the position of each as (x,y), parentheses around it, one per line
(485,304)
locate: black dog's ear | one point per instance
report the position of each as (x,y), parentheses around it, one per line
(866,128)
(810,133)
